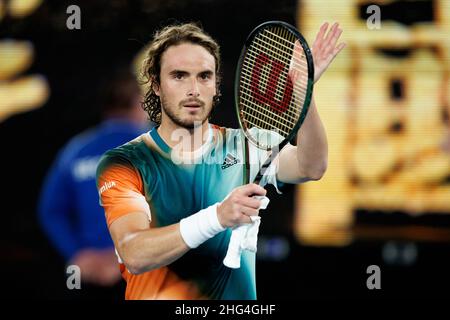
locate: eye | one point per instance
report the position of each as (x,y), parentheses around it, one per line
(206,75)
(178,75)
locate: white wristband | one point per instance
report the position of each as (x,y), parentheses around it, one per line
(200,226)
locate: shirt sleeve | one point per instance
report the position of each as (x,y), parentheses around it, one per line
(120,188)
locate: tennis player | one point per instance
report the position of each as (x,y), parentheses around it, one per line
(171,195)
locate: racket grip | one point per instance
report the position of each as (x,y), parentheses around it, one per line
(233,256)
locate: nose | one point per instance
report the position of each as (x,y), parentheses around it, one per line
(193,90)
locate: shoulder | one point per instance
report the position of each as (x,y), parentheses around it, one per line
(127,155)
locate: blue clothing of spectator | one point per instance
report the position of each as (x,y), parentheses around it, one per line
(69,209)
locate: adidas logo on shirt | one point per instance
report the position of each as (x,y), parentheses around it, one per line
(229,161)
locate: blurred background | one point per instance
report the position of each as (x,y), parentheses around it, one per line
(385,103)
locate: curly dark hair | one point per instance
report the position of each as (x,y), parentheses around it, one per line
(163,39)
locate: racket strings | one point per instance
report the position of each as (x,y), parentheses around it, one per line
(266,120)
(271,97)
(275,46)
(288,121)
(265,74)
(292,112)
(286,56)
(281,54)
(258,49)
(281,121)
(282,79)
(262,119)
(261,124)
(291,38)
(288,114)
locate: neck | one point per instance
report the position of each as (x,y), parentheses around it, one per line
(185,140)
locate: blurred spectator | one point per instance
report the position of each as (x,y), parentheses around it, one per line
(69,209)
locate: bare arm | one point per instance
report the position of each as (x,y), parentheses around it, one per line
(143,248)
(308,161)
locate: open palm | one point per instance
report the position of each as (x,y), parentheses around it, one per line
(324,49)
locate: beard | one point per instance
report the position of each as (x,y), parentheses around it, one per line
(187,123)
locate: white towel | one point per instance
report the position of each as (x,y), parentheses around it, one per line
(244,237)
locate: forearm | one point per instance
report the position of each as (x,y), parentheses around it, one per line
(150,249)
(312,145)
(142,248)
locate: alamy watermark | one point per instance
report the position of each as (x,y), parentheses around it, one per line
(374,280)
(374,21)
(74,277)
(73,21)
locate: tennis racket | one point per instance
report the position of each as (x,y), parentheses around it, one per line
(273,90)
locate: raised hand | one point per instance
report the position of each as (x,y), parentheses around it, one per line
(324,49)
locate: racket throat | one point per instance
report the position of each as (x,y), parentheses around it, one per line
(261,172)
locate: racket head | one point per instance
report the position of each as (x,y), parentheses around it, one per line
(273,83)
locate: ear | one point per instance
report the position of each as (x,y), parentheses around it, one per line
(156,87)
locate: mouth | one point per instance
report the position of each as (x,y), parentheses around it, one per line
(192,106)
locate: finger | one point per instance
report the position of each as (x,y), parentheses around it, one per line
(338,49)
(334,37)
(331,32)
(250,202)
(333,55)
(320,34)
(332,43)
(335,52)
(244,219)
(294,75)
(249,211)
(298,52)
(253,189)
(296,57)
